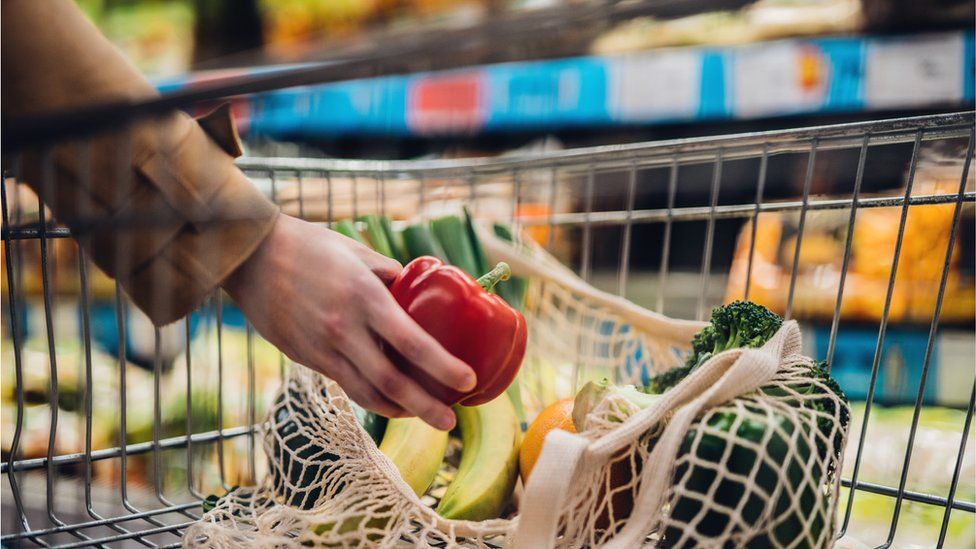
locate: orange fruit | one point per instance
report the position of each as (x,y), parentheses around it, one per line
(558,415)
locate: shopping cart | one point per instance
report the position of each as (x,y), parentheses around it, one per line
(114,431)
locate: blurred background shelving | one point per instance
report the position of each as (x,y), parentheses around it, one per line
(587,72)
(782,78)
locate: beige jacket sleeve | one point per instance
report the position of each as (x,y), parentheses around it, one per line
(159,205)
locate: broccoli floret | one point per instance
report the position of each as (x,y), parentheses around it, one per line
(816,397)
(819,371)
(738,324)
(828,405)
(662,382)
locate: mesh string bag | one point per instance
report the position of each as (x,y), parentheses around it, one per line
(744,451)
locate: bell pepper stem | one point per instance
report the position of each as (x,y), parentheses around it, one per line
(501,272)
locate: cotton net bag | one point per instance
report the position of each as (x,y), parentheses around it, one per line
(735,454)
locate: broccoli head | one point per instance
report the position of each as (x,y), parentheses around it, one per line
(738,324)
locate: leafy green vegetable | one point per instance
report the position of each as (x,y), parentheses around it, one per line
(345,227)
(419,241)
(820,400)
(377,235)
(480,261)
(453,236)
(774,434)
(738,324)
(662,382)
(395,241)
(594,392)
(513,290)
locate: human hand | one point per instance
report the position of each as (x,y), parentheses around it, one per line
(320,297)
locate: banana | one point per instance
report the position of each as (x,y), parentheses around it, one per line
(416,449)
(489,461)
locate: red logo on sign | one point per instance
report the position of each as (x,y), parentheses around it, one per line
(446,104)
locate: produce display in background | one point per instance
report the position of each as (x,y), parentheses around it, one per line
(762,20)
(290,24)
(294,28)
(872,247)
(933,461)
(156,36)
(140,403)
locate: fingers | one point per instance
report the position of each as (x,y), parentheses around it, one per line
(384,267)
(363,351)
(395,326)
(360,390)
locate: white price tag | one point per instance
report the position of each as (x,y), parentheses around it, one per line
(914,71)
(656,85)
(778,78)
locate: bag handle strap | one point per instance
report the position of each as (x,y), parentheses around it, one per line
(547,490)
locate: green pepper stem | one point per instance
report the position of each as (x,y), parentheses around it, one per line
(501,272)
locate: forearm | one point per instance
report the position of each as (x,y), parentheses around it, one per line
(162,206)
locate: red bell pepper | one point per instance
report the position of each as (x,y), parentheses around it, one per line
(474,325)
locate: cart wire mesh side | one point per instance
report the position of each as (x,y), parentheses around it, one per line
(114,431)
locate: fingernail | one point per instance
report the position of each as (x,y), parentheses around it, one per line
(468,382)
(446,422)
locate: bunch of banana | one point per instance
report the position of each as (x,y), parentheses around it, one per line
(486,477)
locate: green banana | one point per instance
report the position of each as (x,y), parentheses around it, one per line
(489,462)
(417,450)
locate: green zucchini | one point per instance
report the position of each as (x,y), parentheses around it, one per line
(373,424)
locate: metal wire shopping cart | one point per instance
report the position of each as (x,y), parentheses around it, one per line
(114,431)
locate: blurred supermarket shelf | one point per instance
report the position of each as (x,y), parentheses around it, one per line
(818,76)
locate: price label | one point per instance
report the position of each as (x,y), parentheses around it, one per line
(654,86)
(914,71)
(448,103)
(778,78)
